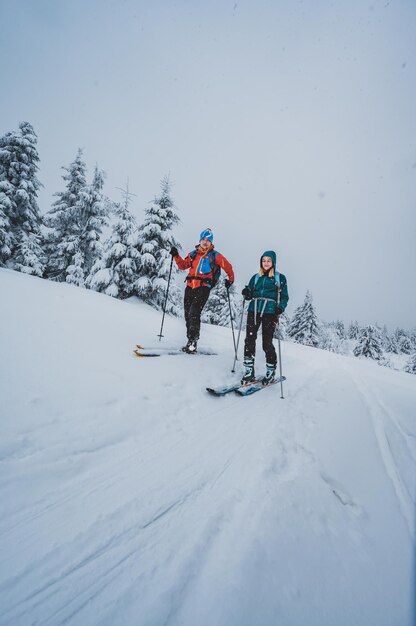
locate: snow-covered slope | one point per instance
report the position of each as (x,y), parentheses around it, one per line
(130,496)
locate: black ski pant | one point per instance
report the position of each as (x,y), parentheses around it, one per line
(194,302)
(268,323)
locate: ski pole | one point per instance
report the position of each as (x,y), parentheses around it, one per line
(166,299)
(239,332)
(231,318)
(280,351)
(280,366)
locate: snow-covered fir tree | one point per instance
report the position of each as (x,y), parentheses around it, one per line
(62,222)
(20,219)
(6,238)
(75,224)
(217,308)
(410,366)
(339,327)
(369,343)
(330,339)
(116,271)
(389,342)
(75,271)
(305,326)
(93,216)
(153,242)
(405,344)
(353,330)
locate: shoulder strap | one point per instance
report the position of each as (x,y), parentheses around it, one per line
(212,258)
(276,279)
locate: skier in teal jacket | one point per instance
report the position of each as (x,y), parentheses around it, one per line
(268,295)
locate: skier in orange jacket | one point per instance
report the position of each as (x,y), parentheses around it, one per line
(204,264)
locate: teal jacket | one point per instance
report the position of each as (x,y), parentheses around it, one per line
(268,287)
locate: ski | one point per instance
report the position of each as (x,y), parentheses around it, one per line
(140,352)
(222,391)
(248,390)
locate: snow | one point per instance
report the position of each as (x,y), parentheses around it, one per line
(130,496)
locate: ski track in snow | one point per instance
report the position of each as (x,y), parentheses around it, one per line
(280,465)
(67,611)
(383,421)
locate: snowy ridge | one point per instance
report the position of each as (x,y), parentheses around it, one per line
(130,496)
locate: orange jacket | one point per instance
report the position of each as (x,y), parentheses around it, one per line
(200,266)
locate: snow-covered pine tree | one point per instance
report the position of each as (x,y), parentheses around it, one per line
(217,309)
(116,271)
(92,217)
(410,366)
(353,330)
(412,335)
(20,219)
(75,271)
(62,222)
(405,343)
(76,221)
(6,238)
(389,342)
(340,329)
(330,339)
(369,343)
(305,326)
(7,241)
(154,241)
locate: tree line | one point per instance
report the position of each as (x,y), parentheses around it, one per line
(86,239)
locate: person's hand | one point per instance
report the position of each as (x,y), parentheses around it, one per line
(228,283)
(247,293)
(279,311)
(174,251)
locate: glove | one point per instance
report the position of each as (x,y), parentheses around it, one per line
(279,311)
(174,251)
(247,293)
(227,283)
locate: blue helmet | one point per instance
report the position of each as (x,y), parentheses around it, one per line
(207,234)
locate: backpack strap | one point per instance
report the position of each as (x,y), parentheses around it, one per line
(276,282)
(212,258)
(276,279)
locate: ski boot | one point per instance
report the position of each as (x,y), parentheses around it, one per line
(248,376)
(190,347)
(270,374)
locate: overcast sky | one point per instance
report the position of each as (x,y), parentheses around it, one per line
(284,125)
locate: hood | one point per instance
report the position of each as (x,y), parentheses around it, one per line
(272,255)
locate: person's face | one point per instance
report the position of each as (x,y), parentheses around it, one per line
(266,263)
(205,243)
